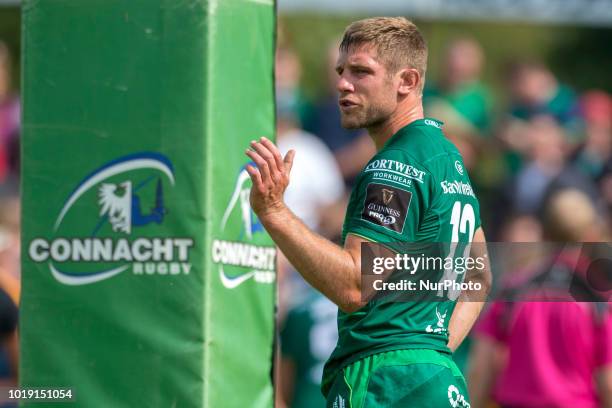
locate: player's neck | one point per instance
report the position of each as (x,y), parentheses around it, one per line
(399,119)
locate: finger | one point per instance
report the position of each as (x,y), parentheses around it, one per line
(255,177)
(288,161)
(268,157)
(262,165)
(274,150)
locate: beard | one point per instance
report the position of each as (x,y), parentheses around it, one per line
(363,118)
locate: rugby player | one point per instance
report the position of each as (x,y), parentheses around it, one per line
(415,189)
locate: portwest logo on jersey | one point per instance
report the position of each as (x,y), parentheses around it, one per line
(238,254)
(393,170)
(103,227)
(457,187)
(456,399)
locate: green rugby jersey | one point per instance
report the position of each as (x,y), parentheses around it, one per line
(415,189)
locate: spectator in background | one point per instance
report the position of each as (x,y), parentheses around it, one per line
(547,169)
(595,154)
(518,228)
(459,98)
(9,119)
(308,337)
(548,354)
(288,90)
(9,343)
(316,181)
(594,158)
(309,331)
(351,148)
(9,290)
(464,103)
(545,159)
(534,91)
(10,243)
(521,228)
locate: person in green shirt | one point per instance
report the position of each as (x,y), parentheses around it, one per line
(307,338)
(414,190)
(459,96)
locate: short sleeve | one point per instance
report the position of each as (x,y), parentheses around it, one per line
(393,192)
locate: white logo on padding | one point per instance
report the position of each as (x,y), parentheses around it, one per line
(249,260)
(80,253)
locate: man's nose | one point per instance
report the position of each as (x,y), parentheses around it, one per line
(343,85)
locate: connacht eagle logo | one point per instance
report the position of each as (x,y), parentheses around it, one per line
(116,203)
(122,207)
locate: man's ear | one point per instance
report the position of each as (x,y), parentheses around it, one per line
(410,79)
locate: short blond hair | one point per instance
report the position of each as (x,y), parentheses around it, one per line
(570,216)
(398,42)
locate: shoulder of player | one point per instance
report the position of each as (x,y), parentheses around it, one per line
(425,143)
(429,163)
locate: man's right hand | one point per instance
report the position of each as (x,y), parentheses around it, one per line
(270,178)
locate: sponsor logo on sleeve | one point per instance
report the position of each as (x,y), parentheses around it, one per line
(457,187)
(386,206)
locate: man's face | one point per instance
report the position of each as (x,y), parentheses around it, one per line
(368,94)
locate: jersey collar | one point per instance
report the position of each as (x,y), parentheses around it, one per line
(419,122)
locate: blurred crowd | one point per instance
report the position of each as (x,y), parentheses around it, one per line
(540,159)
(525,150)
(9,221)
